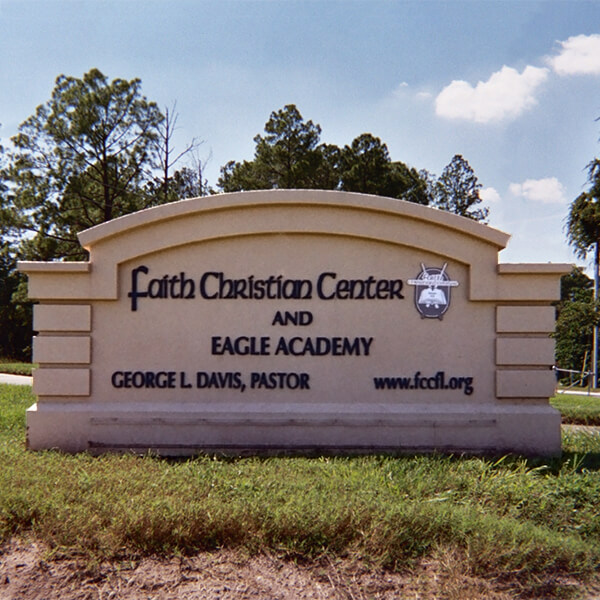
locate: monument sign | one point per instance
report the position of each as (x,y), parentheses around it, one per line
(293,320)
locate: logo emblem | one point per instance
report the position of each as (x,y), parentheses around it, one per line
(432,291)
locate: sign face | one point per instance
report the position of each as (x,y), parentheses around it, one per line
(293,320)
(297,319)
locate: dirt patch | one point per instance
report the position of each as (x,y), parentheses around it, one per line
(26,573)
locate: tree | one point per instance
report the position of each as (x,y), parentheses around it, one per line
(184,183)
(577,315)
(366,167)
(244,176)
(583,233)
(326,176)
(409,184)
(457,190)
(189,182)
(583,221)
(15,313)
(15,309)
(91,153)
(83,158)
(288,156)
(8,218)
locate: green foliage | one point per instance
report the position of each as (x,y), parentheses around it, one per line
(16,368)
(6,216)
(457,190)
(96,150)
(583,221)
(15,309)
(578,409)
(573,333)
(83,158)
(365,167)
(14,401)
(188,182)
(527,522)
(576,286)
(576,316)
(409,184)
(576,321)
(289,156)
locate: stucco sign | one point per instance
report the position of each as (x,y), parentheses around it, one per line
(293,320)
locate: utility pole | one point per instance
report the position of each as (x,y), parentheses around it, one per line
(595,338)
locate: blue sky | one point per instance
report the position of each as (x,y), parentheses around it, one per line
(513,86)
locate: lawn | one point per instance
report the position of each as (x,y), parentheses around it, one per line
(13,367)
(578,409)
(527,523)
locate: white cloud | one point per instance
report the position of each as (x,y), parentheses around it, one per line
(401,89)
(489,195)
(547,191)
(505,95)
(580,55)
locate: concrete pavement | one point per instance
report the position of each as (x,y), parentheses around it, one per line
(578,393)
(15,379)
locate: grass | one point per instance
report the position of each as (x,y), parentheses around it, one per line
(578,410)
(526,523)
(14,367)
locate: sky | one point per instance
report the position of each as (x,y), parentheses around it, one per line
(513,86)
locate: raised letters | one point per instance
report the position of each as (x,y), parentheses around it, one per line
(242,346)
(219,380)
(324,346)
(144,379)
(216,285)
(299,318)
(280,381)
(329,287)
(293,346)
(167,286)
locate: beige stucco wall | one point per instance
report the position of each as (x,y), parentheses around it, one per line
(495,333)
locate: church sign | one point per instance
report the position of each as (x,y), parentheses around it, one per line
(293,320)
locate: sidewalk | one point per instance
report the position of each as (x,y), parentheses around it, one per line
(592,429)
(15,379)
(578,393)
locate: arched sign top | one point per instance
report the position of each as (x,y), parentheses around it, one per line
(308,210)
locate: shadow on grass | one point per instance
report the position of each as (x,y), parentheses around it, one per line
(569,460)
(575,458)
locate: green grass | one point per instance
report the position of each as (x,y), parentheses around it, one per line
(15,368)
(578,410)
(525,523)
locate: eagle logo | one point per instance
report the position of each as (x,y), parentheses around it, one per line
(433,291)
